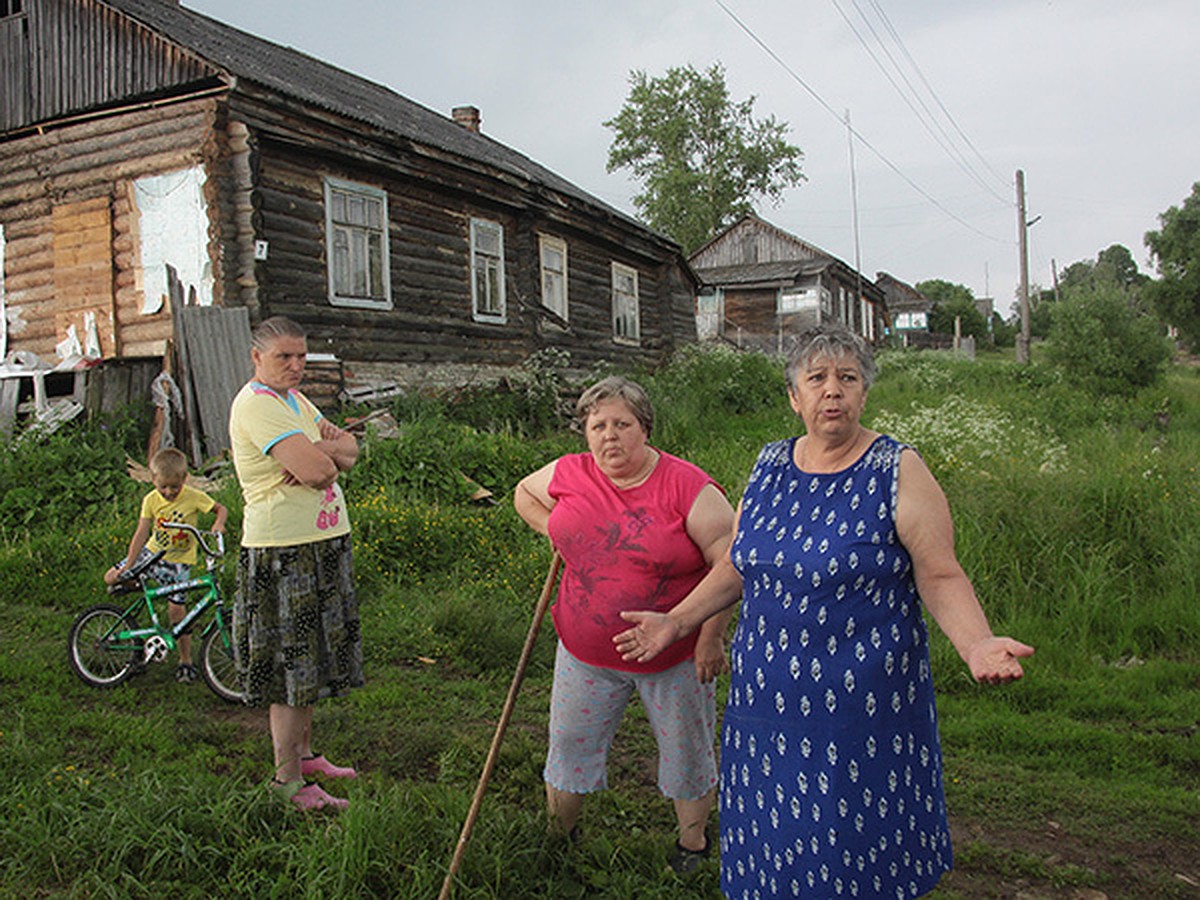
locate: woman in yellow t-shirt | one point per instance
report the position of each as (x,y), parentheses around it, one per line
(295,618)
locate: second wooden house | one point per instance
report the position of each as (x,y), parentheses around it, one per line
(760,286)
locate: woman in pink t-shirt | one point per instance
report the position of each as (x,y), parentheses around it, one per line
(637,529)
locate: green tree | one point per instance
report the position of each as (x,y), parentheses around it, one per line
(1176,249)
(1112,266)
(1041,311)
(701,158)
(1118,265)
(951,301)
(1103,340)
(1004,333)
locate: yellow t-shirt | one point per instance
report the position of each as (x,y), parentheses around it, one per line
(180,546)
(278,514)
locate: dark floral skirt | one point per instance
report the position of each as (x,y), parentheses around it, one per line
(296,631)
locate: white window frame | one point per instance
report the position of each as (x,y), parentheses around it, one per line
(867,313)
(357,236)
(487,272)
(626,308)
(799,300)
(555,301)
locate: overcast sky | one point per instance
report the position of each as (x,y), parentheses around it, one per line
(1095,100)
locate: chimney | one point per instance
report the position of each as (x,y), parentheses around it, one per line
(467,117)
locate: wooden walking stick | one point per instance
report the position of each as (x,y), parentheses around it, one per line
(489,766)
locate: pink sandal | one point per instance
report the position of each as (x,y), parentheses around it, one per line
(319,765)
(307,795)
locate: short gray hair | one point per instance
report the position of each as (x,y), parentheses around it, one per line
(829,342)
(614,386)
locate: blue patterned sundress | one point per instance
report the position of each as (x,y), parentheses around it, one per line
(831,768)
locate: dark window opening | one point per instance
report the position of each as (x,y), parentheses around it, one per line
(10,8)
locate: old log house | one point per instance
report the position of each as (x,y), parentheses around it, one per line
(760,286)
(148,151)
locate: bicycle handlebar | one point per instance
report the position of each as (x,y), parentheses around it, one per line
(199,536)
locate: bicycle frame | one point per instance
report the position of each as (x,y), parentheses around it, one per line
(169,636)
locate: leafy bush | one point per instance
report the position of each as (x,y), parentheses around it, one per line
(53,482)
(1104,343)
(718,379)
(436,460)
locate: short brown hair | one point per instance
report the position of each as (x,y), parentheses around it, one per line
(631,392)
(169,463)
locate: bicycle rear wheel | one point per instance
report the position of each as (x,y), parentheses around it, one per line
(99,654)
(217,665)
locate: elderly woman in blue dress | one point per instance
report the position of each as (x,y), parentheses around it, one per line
(831,770)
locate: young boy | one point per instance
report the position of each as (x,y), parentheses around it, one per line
(170,501)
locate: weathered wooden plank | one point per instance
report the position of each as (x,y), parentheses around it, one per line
(218,355)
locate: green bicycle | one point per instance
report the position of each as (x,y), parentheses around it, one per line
(109,644)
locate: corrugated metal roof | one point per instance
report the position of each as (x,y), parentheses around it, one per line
(303,77)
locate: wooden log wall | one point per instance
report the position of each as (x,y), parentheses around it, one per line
(90,165)
(431,199)
(752,310)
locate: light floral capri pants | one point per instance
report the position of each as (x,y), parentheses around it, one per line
(586,706)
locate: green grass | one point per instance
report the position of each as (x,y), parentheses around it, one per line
(1078,520)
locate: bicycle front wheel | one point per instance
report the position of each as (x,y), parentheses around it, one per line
(217,666)
(101,651)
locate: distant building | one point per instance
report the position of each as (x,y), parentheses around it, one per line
(907,308)
(761,285)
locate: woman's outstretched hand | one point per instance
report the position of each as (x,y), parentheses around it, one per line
(996,660)
(650,635)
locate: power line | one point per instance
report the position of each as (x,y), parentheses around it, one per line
(829,109)
(928,119)
(920,74)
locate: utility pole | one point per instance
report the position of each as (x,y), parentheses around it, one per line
(1022,227)
(867,330)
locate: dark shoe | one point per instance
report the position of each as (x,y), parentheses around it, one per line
(684,861)
(186,673)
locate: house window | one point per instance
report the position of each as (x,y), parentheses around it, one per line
(810,300)
(356,232)
(806,300)
(867,314)
(487,271)
(709,305)
(10,8)
(554,274)
(626,329)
